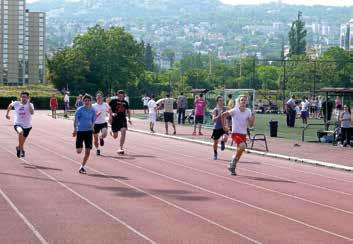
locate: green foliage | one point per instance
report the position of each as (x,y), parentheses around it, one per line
(148,58)
(296,36)
(100,59)
(170,55)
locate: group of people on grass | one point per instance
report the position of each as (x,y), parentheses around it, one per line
(316,108)
(90,126)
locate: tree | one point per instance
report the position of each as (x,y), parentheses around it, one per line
(170,55)
(149,59)
(112,57)
(297,35)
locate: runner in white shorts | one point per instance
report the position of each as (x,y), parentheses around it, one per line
(152,113)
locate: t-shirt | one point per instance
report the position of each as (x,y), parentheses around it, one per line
(53,102)
(216,112)
(22,116)
(85,118)
(346,120)
(304,106)
(168,104)
(66,98)
(240,120)
(182,102)
(152,106)
(200,105)
(101,112)
(291,104)
(145,101)
(231,104)
(119,107)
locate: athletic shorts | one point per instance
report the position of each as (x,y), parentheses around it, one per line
(84,137)
(117,125)
(145,106)
(217,133)
(199,119)
(239,138)
(99,127)
(304,114)
(168,117)
(25,131)
(152,117)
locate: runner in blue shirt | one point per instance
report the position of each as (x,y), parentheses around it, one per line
(85,117)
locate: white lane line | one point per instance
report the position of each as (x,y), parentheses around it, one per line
(24,219)
(277,166)
(255,186)
(160,199)
(236,200)
(245,183)
(274,176)
(259,153)
(88,201)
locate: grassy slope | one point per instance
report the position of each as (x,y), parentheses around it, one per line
(34,90)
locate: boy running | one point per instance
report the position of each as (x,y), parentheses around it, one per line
(241,117)
(100,125)
(83,129)
(218,132)
(120,109)
(200,105)
(22,122)
(152,110)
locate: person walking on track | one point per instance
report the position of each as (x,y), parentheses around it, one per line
(120,110)
(168,104)
(53,103)
(200,105)
(182,103)
(218,131)
(22,120)
(241,117)
(102,110)
(83,129)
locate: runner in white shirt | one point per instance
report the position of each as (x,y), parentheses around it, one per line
(152,110)
(102,110)
(22,120)
(241,118)
(304,108)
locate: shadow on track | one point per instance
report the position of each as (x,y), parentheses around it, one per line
(33,166)
(267,179)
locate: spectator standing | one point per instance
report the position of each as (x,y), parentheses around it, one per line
(53,106)
(346,123)
(168,114)
(79,102)
(304,108)
(291,111)
(200,105)
(181,107)
(66,103)
(261,106)
(327,107)
(145,100)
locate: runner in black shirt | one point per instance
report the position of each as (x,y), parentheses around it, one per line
(120,109)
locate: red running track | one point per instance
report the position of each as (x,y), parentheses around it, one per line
(163,191)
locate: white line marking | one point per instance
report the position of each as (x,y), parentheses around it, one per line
(24,219)
(283,178)
(162,200)
(88,201)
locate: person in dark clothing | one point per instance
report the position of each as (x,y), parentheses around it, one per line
(291,112)
(327,108)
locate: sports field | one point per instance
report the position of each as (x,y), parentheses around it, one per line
(162,191)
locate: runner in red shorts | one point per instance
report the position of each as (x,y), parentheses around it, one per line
(241,118)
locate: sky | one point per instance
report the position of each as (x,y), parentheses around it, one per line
(305,2)
(298,2)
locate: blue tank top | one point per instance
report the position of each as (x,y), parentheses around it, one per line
(218,124)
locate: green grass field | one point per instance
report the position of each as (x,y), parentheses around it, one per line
(262,126)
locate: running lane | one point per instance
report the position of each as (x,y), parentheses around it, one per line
(171,192)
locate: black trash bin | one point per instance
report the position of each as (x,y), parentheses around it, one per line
(273,128)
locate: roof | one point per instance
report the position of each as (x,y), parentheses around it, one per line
(199,91)
(336,90)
